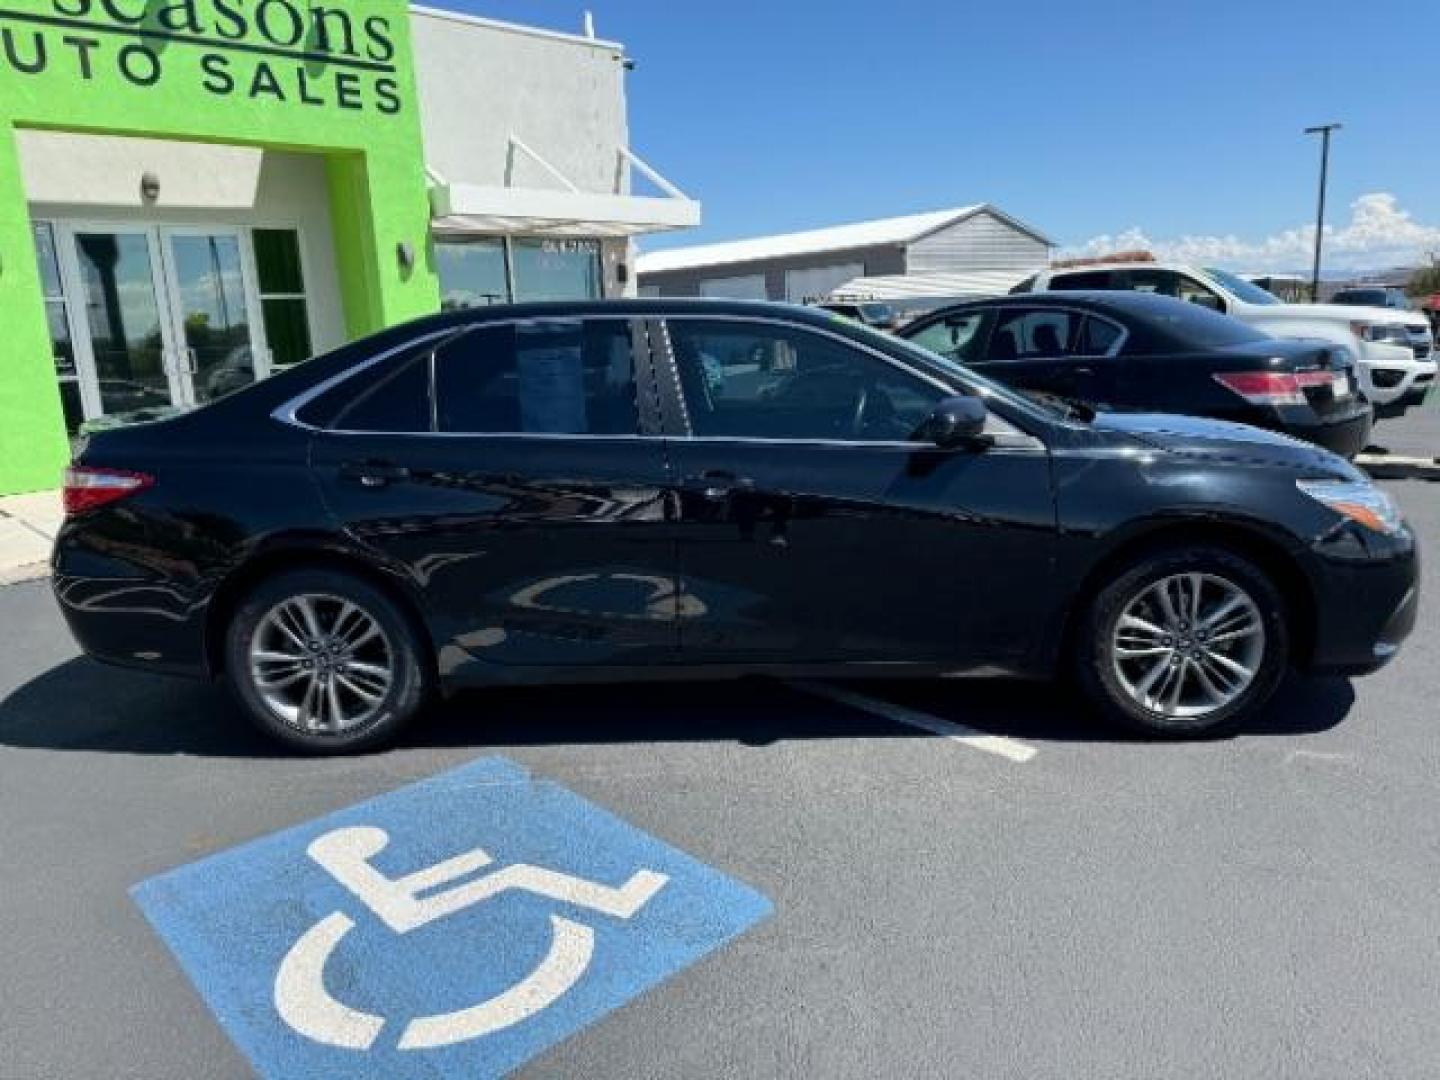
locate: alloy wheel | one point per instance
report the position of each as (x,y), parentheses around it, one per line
(322,664)
(1188,645)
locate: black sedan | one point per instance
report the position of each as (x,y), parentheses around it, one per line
(1137,352)
(693,489)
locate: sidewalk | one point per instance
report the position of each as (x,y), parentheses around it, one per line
(28,524)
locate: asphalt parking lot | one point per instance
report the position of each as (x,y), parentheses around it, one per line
(1048,902)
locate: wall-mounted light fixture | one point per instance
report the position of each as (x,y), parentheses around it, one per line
(150,187)
(405,255)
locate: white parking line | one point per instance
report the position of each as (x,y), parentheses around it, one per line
(1011,749)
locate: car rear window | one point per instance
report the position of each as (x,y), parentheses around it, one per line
(391,395)
(1190,326)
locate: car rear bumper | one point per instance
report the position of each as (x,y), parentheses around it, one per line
(122,612)
(1365,606)
(1347,436)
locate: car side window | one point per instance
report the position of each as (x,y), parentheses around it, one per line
(1193,292)
(758,381)
(1159,282)
(1033,334)
(552,377)
(958,337)
(1085,280)
(1099,336)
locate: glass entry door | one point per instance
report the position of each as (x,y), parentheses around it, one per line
(213,307)
(126,358)
(168,316)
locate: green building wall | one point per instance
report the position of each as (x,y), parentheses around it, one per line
(335,79)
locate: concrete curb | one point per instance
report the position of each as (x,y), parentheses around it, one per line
(1397,467)
(14,575)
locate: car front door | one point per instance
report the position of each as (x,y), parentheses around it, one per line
(514,472)
(814,529)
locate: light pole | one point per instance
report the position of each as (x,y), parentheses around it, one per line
(1323,130)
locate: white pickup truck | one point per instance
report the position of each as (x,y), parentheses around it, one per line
(1394,349)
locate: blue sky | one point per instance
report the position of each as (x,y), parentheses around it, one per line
(1086,118)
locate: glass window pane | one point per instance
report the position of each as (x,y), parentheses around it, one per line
(45,253)
(60,345)
(1026,335)
(1100,336)
(957,337)
(744,382)
(472,273)
(397,402)
(287,331)
(556,269)
(563,377)
(124,317)
(70,402)
(277,261)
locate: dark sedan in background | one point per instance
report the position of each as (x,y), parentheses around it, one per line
(692,489)
(1138,352)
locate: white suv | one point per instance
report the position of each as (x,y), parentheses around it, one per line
(1396,355)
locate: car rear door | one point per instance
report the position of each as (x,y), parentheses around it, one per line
(1044,349)
(515,474)
(813,529)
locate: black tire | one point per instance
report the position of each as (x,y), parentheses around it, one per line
(406,694)
(1094,643)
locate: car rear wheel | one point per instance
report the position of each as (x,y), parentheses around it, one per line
(1184,643)
(325,662)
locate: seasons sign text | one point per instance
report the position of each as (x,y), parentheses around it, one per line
(324,56)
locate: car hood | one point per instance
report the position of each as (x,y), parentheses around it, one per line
(1194,436)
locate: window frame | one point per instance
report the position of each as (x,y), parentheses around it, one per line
(676,413)
(424,348)
(507,258)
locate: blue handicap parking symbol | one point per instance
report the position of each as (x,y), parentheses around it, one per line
(456,927)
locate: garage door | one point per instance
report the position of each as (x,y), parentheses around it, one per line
(815,282)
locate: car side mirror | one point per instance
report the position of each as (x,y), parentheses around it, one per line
(956,422)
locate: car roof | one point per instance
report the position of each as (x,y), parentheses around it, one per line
(1112,301)
(1138,264)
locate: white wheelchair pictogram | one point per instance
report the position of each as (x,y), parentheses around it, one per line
(308,1007)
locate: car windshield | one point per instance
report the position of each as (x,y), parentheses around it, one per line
(983,387)
(1244,290)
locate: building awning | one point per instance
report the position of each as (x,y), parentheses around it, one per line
(559,211)
(964,284)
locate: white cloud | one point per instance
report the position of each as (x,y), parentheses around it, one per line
(1379,235)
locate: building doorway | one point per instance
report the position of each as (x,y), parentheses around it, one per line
(149,317)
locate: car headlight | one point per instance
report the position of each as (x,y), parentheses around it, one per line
(1361,502)
(1371,331)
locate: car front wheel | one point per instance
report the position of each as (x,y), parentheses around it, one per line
(1184,643)
(325,662)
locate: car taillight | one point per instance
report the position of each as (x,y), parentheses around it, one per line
(87,488)
(1276,387)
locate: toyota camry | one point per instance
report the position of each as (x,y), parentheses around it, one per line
(676,489)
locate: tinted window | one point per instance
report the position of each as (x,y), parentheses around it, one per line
(1090,279)
(958,337)
(755,381)
(563,377)
(1100,336)
(1025,334)
(1247,291)
(397,401)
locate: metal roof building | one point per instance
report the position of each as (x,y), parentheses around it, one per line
(807,265)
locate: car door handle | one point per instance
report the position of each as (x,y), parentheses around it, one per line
(717,484)
(374,474)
